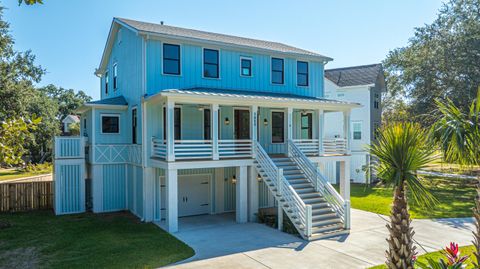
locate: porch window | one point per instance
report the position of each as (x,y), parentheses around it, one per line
(110,124)
(210,63)
(246,67)
(302,73)
(115,76)
(171,59)
(357,130)
(207,124)
(306,126)
(277,71)
(177,123)
(106,83)
(278,127)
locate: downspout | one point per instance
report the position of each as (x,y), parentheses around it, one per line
(144,123)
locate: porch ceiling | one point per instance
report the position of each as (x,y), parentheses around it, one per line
(237,97)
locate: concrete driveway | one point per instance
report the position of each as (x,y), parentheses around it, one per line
(221,243)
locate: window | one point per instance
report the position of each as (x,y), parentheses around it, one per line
(278,127)
(207,124)
(106,83)
(246,67)
(210,63)
(85,124)
(134,126)
(376,130)
(114,76)
(277,71)
(376,102)
(110,124)
(306,125)
(171,59)
(302,73)
(177,124)
(357,130)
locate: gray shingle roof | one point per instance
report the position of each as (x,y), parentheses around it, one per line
(354,75)
(118,101)
(254,95)
(208,36)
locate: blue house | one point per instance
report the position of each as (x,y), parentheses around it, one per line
(192,122)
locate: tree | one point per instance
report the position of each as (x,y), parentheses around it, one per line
(441,60)
(402,150)
(68,101)
(14,133)
(30,2)
(458,133)
(75,128)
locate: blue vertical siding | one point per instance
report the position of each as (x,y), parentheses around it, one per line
(130,184)
(139,191)
(229,189)
(70,189)
(114,187)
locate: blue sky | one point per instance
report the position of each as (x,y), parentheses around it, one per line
(68,37)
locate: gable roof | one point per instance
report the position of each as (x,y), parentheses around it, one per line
(115,101)
(71,118)
(355,75)
(203,36)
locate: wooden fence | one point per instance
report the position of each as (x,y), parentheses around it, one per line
(24,196)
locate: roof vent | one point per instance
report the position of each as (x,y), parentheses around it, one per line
(161,22)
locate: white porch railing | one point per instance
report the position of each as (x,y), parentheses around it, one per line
(69,147)
(310,147)
(312,173)
(193,149)
(296,209)
(335,146)
(240,148)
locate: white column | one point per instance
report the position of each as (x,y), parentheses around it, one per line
(241,195)
(172,199)
(214,129)
(321,129)
(170,110)
(253,126)
(346,129)
(345,179)
(252,194)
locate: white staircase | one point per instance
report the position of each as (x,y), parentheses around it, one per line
(311,203)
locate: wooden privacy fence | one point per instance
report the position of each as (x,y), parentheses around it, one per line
(24,196)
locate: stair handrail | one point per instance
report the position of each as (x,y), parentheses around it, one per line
(321,184)
(302,211)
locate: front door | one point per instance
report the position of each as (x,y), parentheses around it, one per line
(242,124)
(193,195)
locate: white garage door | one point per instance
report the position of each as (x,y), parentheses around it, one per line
(193,195)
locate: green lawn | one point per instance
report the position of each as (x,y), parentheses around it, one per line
(14,173)
(119,240)
(456,198)
(467,250)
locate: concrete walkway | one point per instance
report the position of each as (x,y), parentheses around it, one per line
(221,243)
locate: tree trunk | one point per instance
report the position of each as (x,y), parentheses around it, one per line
(401,250)
(476,232)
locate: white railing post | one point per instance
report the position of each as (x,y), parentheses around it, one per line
(308,215)
(321,128)
(214,134)
(279,181)
(346,212)
(170,110)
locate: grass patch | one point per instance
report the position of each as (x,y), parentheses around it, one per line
(467,250)
(116,240)
(13,173)
(455,196)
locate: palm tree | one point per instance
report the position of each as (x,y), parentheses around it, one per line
(458,134)
(402,149)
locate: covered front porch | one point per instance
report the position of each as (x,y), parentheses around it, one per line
(222,125)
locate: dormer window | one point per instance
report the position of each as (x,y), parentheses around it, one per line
(302,73)
(115,76)
(277,71)
(106,83)
(171,59)
(210,63)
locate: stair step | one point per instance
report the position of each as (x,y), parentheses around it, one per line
(328,234)
(296,176)
(323,216)
(327,228)
(297,181)
(314,200)
(327,222)
(310,195)
(307,189)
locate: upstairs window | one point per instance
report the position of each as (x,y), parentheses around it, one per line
(210,63)
(302,73)
(246,67)
(277,71)
(171,59)
(357,130)
(115,76)
(106,83)
(110,124)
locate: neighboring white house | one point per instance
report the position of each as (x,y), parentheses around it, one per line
(68,121)
(364,85)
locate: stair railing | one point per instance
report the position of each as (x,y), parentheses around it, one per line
(313,174)
(295,208)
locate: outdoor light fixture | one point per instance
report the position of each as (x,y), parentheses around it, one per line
(265,122)
(227,121)
(259,178)
(234,180)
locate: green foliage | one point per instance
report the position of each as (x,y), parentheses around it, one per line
(30,2)
(401,150)
(441,61)
(41,167)
(75,128)
(14,133)
(68,101)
